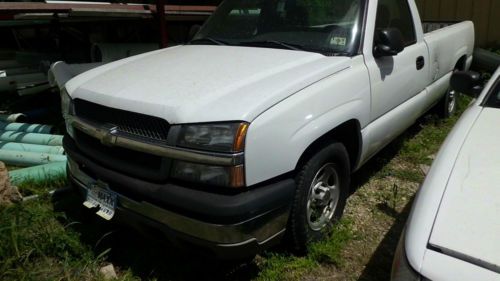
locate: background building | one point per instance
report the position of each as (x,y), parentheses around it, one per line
(484,13)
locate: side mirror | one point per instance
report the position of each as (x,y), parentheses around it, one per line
(467,82)
(193,30)
(388,42)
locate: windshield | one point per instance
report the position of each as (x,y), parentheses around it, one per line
(331,27)
(493,98)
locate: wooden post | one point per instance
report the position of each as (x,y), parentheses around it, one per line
(160,13)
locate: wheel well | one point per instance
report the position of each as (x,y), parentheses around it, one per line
(461,63)
(348,133)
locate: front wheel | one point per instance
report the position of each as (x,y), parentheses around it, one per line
(322,187)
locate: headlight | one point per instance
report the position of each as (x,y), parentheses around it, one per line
(219,137)
(67,110)
(401,268)
(211,175)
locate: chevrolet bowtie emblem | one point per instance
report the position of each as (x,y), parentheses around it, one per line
(109,139)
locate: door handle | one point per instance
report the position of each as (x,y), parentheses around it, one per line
(420,62)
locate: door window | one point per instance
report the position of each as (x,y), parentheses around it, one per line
(396,14)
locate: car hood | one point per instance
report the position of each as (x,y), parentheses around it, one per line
(198,83)
(467,225)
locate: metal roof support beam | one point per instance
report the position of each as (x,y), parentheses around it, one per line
(162,23)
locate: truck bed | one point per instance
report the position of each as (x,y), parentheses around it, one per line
(446,46)
(430,26)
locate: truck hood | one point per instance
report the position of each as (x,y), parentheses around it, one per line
(198,83)
(467,225)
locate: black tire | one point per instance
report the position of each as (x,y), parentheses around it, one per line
(448,104)
(300,232)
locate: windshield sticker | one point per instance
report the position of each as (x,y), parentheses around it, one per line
(338,41)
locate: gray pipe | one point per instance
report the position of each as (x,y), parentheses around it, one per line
(27,128)
(33,138)
(10,118)
(9,83)
(61,72)
(108,52)
(27,159)
(31,147)
(29,89)
(485,60)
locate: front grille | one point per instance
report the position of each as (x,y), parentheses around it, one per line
(133,163)
(126,122)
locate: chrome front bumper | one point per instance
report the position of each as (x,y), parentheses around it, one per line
(258,230)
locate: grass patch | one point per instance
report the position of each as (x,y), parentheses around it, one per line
(40,187)
(285,267)
(37,245)
(329,251)
(495,50)
(423,145)
(417,146)
(401,173)
(289,267)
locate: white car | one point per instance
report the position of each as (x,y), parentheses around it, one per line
(453,232)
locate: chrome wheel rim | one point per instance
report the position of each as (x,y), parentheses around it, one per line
(452,101)
(324,194)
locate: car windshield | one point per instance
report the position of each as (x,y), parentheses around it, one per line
(330,27)
(493,99)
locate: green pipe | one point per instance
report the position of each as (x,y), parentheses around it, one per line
(25,159)
(33,138)
(10,118)
(27,128)
(31,147)
(38,173)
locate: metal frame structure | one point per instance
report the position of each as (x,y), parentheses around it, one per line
(26,11)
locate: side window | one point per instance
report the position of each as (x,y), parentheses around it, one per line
(397,14)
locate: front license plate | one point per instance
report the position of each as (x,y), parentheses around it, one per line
(101,198)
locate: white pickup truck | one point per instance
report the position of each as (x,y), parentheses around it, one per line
(249,134)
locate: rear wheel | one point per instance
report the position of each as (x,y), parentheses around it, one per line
(448,104)
(320,196)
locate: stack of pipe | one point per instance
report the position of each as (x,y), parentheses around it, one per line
(33,146)
(21,72)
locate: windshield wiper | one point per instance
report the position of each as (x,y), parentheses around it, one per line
(209,39)
(336,54)
(278,43)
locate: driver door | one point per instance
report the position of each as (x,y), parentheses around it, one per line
(396,79)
